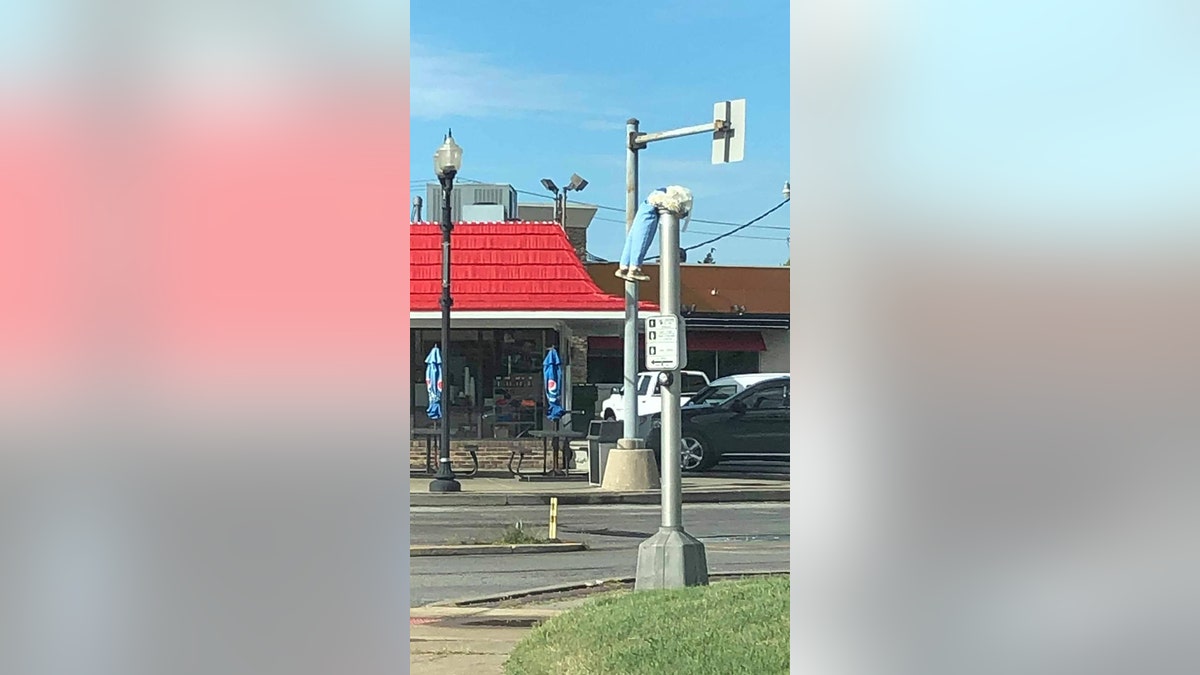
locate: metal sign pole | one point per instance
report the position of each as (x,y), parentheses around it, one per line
(631,289)
(671,558)
(668,297)
(631,465)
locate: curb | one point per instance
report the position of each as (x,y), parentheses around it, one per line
(595,498)
(576,586)
(451,612)
(492,549)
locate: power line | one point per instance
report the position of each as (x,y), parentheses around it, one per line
(706,222)
(766,213)
(603,207)
(716,236)
(739,236)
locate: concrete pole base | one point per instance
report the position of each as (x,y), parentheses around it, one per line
(630,467)
(671,558)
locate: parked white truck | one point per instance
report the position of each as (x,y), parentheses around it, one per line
(649,400)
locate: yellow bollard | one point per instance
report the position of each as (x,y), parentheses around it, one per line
(553,534)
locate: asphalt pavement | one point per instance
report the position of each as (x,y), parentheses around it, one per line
(737,537)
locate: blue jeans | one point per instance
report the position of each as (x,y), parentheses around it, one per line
(641,235)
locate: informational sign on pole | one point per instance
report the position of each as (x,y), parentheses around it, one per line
(666,342)
(729,134)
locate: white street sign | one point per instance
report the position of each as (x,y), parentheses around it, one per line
(729,145)
(666,342)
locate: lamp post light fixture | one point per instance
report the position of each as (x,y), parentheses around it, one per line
(446,163)
(787,190)
(576,184)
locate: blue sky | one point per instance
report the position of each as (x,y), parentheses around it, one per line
(1051,115)
(1033,113)
(537,90)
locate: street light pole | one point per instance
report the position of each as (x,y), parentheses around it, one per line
(447,161)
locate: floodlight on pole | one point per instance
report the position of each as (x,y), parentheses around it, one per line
(577,183)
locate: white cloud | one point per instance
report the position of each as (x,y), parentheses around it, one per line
(452,83)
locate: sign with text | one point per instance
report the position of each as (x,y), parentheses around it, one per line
(666,342)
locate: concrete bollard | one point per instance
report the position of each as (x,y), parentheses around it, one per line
(631,467)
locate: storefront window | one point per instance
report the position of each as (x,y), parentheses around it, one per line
(705,362)
(607,366)
(736,363)
(476,362)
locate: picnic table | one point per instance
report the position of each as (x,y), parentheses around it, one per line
(432,436)
(556,443)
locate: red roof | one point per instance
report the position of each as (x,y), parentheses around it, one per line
(504,267)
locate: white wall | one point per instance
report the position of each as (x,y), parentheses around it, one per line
(777,358)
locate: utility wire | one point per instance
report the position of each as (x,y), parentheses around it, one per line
(766,213)
(732,233)
(603,207)
(701,220)
(694,231)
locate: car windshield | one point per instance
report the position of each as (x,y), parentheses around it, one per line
(644,385)
(692,383)
(711,395)
(770,395)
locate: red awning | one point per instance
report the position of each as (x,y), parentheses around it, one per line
(698,341)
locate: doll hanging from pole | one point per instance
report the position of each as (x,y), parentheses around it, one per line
(677,200)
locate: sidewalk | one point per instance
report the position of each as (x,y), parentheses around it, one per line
(481,491)
(453,640)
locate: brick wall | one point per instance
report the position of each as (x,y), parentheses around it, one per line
(578,346)
(493,454)
(578,238)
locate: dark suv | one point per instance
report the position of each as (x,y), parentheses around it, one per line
(754,424)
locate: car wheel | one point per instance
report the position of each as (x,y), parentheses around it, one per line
(696,453)
(610,415)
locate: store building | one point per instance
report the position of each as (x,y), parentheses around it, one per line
(738,320)
(518,289)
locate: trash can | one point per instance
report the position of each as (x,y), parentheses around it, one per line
(602,437)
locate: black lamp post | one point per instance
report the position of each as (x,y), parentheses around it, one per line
(446,163)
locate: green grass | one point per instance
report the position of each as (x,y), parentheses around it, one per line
(728,628)
(517,534)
